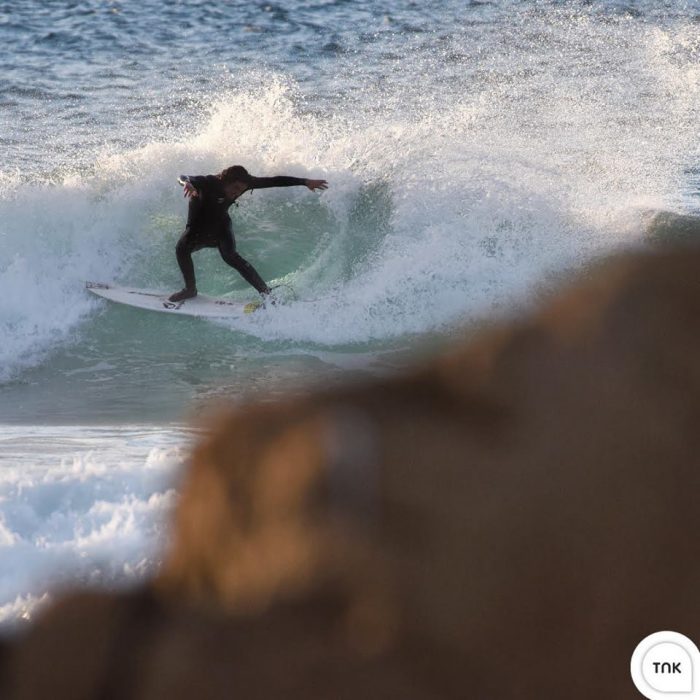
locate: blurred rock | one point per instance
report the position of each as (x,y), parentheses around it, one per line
(670,228)
(508,521)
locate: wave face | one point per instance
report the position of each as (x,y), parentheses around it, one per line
(471,149)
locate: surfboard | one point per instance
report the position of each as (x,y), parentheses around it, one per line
(154,300)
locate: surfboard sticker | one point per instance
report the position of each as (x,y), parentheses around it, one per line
(202,305)
(252,306)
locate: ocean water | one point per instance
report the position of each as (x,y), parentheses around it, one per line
(475,153)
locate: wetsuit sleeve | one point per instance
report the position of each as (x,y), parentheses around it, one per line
(260,183)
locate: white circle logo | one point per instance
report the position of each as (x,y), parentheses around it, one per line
(664,664)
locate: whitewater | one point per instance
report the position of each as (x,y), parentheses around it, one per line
(476,153)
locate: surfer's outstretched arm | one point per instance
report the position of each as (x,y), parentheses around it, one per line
(260,183)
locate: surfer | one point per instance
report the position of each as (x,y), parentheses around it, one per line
(209,224)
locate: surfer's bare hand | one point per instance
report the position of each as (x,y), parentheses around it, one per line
(189,190)
(314,185)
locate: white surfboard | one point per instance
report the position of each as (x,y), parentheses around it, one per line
(154,300)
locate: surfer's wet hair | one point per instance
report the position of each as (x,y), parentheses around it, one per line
(236,173)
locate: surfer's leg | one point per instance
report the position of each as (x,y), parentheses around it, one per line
(227,248)
(183,251)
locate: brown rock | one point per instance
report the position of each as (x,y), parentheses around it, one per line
(525,508)
(134,647)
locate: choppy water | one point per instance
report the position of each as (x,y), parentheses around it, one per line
(473,150)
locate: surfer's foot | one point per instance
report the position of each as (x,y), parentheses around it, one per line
(186,293)
(267,298)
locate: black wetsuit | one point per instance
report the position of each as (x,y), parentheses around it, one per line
(209,226)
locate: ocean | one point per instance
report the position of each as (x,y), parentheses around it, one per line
(476,153)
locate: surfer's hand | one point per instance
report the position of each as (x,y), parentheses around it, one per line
(316,185)
(189,190)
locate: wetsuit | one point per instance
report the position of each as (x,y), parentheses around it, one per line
(209,225)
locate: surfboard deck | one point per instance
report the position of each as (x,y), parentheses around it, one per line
(202,305)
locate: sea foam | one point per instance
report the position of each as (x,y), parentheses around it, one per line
(82,506)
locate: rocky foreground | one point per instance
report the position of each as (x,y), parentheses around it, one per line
(506,521)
